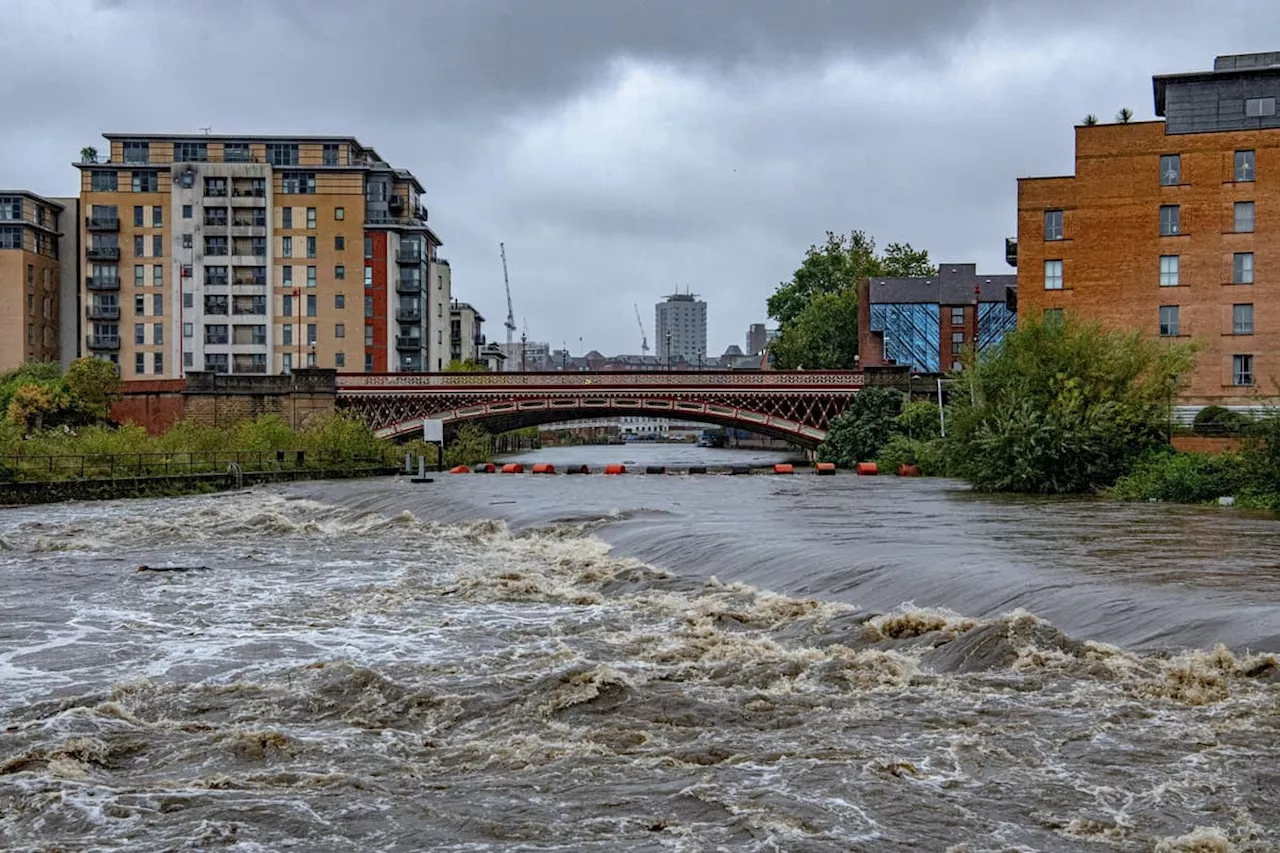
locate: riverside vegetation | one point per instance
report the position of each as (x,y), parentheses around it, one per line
(1061,408)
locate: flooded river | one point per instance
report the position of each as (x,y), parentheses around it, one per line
(639,663)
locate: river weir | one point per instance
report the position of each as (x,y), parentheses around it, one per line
(648,663)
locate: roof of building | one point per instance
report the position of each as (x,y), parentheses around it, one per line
(734,351)
(36,196)
(1224,68)
(466,306)
(953,285)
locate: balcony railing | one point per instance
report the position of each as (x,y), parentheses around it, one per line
(408,286)
(413,343)
(102,342)
(410,256)
(102,282)
(215,222)
(215,281)
(409,315)
(103,253)
(102,223)
(249,192)
(104,312)
(216,339)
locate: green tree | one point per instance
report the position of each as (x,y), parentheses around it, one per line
(470,445)
(93,385)
(1062,407)
(464,366)
(824,336)
(34,406)
(859,433)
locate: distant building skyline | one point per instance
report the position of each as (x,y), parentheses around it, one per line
(680,328)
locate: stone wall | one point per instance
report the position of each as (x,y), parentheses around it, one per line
(219,399)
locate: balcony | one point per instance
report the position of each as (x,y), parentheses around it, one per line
(102,282)
(409,315)
(249,192)
(103,253)
(410,256)
(216,339)
(104,312)
(408,286)
(99,343)
(413,343)
(102,223)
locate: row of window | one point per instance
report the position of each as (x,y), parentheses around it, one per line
(148,181)
(278,153)
(1170,221)
(1241,320)
(1170,271)
(11,210)
(1244,171)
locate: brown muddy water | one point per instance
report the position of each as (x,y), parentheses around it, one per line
(640,663)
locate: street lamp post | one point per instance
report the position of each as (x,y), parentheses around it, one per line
(668,349)
(524,336)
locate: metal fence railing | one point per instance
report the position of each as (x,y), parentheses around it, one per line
(110,466)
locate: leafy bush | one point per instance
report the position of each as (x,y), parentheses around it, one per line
(470,446)
(1217,420)
(1062,407)
(859,432)
(1183,477)
(919,420)
(929,455)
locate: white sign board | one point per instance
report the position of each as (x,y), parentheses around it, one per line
(433,431)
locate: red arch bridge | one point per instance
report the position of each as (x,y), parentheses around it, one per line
(792,405)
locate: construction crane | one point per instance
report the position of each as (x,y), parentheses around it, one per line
(511,314)
(644,339)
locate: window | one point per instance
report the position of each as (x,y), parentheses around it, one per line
(146,182)
(215,187)
(11,208)
(103,182)
(139,333)
(215,216)
(339,359)
(157,246)
(286,217)
(139,276)
(157,303)
(1169,321)
(368,276)
(368,306)
(186,211)
(186,241)
(286,247)
(311,359)
(137,216)
(136,152)
(957,316)
(215,362)
(340,330)
(368,336)
(287,308)
(311,334)
(1170,220)
(139,246)
(339,213)
(330,154)
(339,243)
(215,245)
(1170,170)
(1244,166)
(1244,216)
(286,275)
(10,238)
(186,270)
(187,179)
(311,247)
(215,304)
(1053,316)
(339,300)
(1242,268)
(1053,224)
(190,152)
(368,362)
(1241,370)
(188,300)
(302,183)
(157,333)
(157,217)
(311,217)
(1258,107)
(188,359)
(1242,319)
(140,363)
(368,247)
(235,152)
(311,276)
(286,336)
(1169,270)
(311,305)
(957,343)
(340,272)
(282,154)
(216,275)
(1053,275)
(188,330)
(216,334)
(139,305)
(157,362)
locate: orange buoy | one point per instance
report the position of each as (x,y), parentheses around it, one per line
(486,468)
(783,468)
(826,468)
(615,469)
(867,469)
(544,468)
(905,470)
(460,469)
(513,468)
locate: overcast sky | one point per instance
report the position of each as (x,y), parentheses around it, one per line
(626,148)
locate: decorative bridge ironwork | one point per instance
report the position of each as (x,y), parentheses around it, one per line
(794,405)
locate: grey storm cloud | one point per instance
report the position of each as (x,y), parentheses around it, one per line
(623,149)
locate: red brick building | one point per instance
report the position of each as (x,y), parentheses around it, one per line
(1172,227)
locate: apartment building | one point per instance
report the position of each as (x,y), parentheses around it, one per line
(466,332)
(36,255)
(931,323)
(256,254)
(1171,227)
(680,322)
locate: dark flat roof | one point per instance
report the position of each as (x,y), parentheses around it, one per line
(953,285)
(1160,82)
(236,137)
